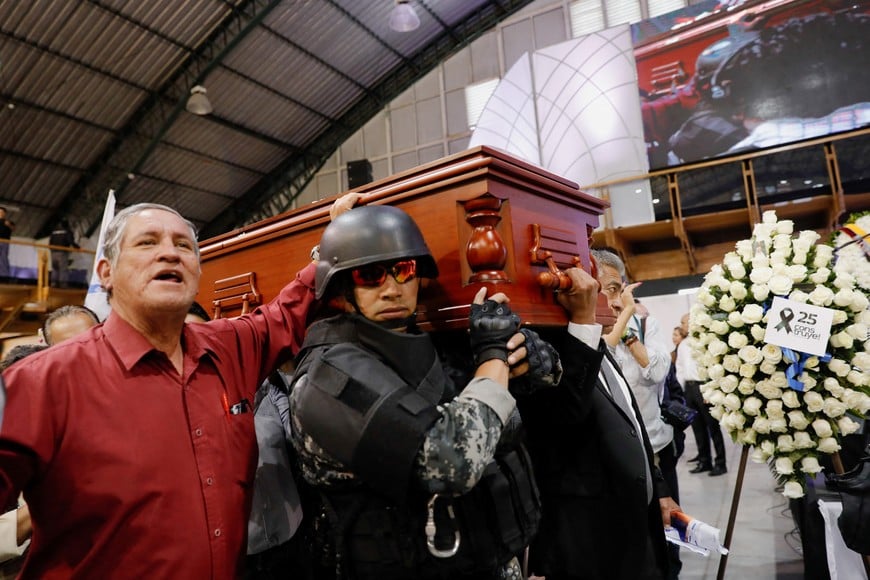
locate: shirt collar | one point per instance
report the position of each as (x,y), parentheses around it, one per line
(131,347)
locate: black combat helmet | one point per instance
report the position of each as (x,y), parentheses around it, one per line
(368,235)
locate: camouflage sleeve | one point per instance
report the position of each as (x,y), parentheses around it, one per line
(461,443)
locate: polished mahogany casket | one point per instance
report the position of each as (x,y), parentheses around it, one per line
(488,218)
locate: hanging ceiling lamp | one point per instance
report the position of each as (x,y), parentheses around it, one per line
(197,102)
(403,18)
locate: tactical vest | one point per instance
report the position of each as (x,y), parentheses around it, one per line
(369,399)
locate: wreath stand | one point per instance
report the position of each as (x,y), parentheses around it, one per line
(735,501)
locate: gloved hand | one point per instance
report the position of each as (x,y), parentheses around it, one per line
(545,368)
(491,325)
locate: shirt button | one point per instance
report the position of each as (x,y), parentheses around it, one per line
(217,532)
(198,432)
(209,481)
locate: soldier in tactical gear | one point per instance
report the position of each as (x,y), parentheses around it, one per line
(414,475)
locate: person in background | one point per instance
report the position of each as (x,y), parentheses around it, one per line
(197,313)
(638,345)
(605,503)
(705,428)
(148,411)
(67,322)
(5,236)
(61,237)
(414,475)
(15,524)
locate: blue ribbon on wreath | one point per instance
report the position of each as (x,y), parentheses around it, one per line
(796,361)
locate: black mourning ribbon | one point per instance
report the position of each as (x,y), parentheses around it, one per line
(785,317)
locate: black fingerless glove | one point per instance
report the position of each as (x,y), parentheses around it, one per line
(491,325)
(545,368)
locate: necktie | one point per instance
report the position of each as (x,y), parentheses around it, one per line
(615,388)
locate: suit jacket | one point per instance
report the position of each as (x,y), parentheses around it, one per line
(596,520)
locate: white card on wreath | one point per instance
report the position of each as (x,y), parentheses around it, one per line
(798,326)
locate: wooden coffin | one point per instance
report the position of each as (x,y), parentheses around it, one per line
(488,218)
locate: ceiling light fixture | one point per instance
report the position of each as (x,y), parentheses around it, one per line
(403,18)
(197,102)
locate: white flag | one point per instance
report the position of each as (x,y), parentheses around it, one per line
(96,299)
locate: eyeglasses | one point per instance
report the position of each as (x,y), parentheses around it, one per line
(373,275)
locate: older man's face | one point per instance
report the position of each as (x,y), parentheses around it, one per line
(157,270)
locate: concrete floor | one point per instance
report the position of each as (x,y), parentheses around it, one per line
(764,544)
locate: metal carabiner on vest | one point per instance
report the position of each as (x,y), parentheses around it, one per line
(430,530)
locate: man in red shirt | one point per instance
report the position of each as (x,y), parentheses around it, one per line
(134,442)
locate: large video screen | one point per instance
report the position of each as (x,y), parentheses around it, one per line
(720,78)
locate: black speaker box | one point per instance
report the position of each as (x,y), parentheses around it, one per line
(358,173)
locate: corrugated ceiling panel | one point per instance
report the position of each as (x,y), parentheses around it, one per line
(197,206)
(260,109)
(60,85)
(29,131)
(216,140)
(188,22)
(197,172)
(34,183)
(267,58)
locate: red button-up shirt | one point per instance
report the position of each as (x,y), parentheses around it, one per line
(131,470)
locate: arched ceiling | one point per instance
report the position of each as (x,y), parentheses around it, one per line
(92,97)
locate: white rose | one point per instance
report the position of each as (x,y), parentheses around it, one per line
(738,290)
(847,426)
(780,285)
(801,245)
(705,298)
(771,353)
(726,303)
(760,275)
(752,313)
(821,296)
(862,361)
(839,367)
(802,440)
(833,386)
(790,399)
(843,280)
(716,412)
(733,421)
(858,378)
(792,490)
(778,259)
(747,370)
(760,292)
(737,340)
(798,420)
(717,347)
(720,327)
(735,320)
(750,354)
(746,437)
(828,445)
(744,249)
(785,444)
(839,317)
(812,363)
(757,456)
(833,407)
(768,447)
(823,256)
(768,391)
(799,296)
(781,241)
(746,386)
(714,397)
(820,276)
(728,384)
(731,363)
(779,380)
(785,227)
(778,425)
(731,402)
(774,409)
(799,257)
(736,269)
(808,382)
(814,401)
(859,302)
(767,367)
(760,260)
(797,273)
(757,332)
(768,218)
(809,237)
(858,331)
(761,425)
(822,428)
(841,340)
(810,465)
(752,405)
(843,297)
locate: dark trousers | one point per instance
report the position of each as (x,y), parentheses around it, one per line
(705,427)
(668,466)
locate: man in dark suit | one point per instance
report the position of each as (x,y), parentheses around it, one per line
(604,501)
